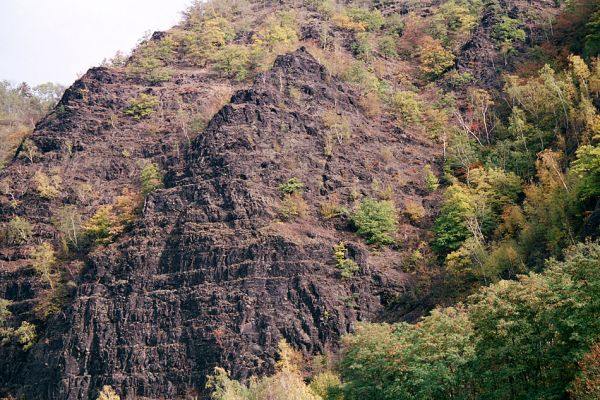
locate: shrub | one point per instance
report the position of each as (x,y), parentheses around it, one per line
(362,47)
(338,127)
(233,61)
(280,29)
(286,384)
(435,59)
(331,208)
(108,393)
(365,80)
(293,205)
(328,385)
(150,61)
(151,178)
(431,181)
(387,46)
(47,187)
(376,221)
(103,225)
(141,106)
(372,20)
(347,266)
(68,222)
(414,211)
(291,186)
(343,21)
(407,107)
(26,335)
(43,260)
(18,231)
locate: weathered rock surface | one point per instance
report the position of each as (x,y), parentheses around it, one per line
(210,275)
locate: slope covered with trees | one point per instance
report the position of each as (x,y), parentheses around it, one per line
(315,200)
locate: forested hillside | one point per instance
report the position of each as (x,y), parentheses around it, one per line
(20,108)
(313,200)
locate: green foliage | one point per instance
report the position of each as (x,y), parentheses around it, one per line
(291,186)
(233,61)
(280,29)
(533,331)
(450,226)
(43,261)
(431,181)
(20,108)
(387,46)
(151,178)
(150,61)
(18,231)
(372,20)
(327,385)
(508,30)
(514,340)
(403,361)
(47,187)
(26,335)
(286,384)
(347,266)
(435,59)
(591,47)
(376,221)
(142,106)
(362,47)
(507,33)
(587,167)
(407,107)
(365,80)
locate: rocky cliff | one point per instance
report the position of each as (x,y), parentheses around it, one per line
(213,271)
(210,274)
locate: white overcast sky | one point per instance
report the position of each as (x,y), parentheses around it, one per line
(55,40)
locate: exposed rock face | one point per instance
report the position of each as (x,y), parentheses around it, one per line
(209,276)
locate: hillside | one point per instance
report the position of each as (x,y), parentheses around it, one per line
(310,172)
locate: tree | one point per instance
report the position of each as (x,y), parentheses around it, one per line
(431,181)
(450,226)
(587,383)
(18,231)
(103,225)
(151,178)
(532,332)
(407,107)
(286,384)
(404,361)
(108,393)
(376,221)
(68,223)
(47,187)
(43,261)
(435,59)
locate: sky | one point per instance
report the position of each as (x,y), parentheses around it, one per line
(58,40)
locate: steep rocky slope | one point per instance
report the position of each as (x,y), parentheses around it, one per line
(212,272)
(209,275)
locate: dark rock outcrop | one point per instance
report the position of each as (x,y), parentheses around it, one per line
(210,275)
